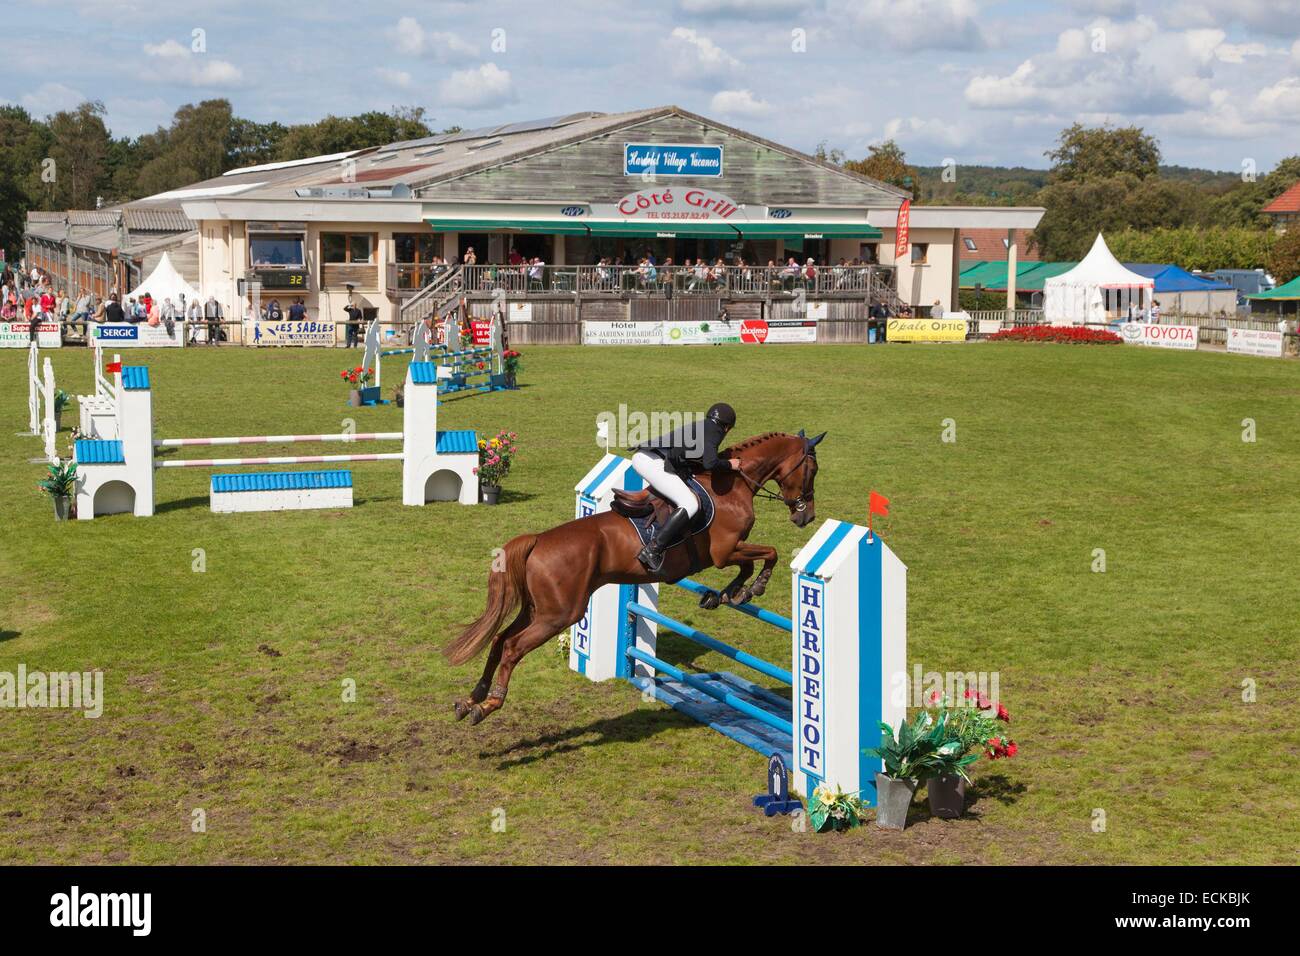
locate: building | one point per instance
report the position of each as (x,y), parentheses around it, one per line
(1285,209)
(994,245)
(413,228)
(100,250)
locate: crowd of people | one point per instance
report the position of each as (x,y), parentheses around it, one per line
(31,296)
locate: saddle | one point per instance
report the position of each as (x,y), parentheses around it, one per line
(647,510)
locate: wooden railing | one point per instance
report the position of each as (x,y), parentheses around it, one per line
(731,281)
(434,298)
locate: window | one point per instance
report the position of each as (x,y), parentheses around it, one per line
(868,252)
(273,249)
(336,247)
(970,243)
(1006,243)
(416,247)
(920,252)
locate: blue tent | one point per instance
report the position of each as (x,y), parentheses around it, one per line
(1171,278)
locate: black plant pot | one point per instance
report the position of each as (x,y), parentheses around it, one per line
(947,796)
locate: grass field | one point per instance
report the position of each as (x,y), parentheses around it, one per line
(224,687)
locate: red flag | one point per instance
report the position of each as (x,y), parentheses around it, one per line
(877,504)
(902,229)
(112,367)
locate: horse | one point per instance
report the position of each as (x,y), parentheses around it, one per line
(551,576)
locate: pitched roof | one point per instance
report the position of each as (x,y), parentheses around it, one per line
(991,244)
(1289,201)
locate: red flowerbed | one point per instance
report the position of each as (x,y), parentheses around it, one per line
(1071,334)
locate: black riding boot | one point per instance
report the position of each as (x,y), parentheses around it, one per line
(672,531)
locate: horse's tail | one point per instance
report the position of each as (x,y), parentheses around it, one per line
(506,590)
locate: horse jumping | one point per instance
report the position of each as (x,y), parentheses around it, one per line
(551,576)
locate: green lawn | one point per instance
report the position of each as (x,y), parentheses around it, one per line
(224,688)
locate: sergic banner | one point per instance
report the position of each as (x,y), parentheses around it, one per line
(137,335)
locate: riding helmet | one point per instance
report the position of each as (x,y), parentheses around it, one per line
(722,414)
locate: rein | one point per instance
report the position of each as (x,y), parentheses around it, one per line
(760,490)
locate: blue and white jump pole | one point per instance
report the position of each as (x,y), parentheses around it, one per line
(848,663)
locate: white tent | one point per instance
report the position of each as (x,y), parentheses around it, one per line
(1098,289)
(165,283)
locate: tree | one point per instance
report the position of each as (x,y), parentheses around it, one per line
(77,169)
(23,143)
(888,164)
(340,134)
(1284,258)
(1084,154)
(195,147)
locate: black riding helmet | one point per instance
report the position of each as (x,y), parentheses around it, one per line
(722,414)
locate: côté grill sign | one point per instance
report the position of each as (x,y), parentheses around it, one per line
(675,203)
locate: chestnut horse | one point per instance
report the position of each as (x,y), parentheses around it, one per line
(551,576)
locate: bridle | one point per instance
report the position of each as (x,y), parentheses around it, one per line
(805,493)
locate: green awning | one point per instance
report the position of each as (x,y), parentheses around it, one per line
(638,228)
(992,274)
(650,229)
(554,227)
(807,230)
(1287,292)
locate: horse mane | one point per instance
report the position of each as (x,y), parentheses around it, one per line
(750,443)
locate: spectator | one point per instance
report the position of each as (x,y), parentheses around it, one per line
(168,316)
(212,317)
(354,315)
(113,311)
(1154,312)
(273,313)
(297,311)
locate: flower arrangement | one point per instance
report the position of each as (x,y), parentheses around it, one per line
(495,456)
(1069,334)
(61,401)
(61,481)
(923,749)
(510,362)
(976,724)
(358,377)
(830,809)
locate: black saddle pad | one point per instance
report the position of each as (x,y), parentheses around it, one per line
(647,526)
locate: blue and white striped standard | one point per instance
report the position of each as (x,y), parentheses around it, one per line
(606,611)
(849,607)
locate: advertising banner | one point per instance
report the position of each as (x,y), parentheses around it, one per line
(700,333)
(902,231)
(307,332)
(1256,342)
(1183,337)
(17,335)
(622,333)
(778,331)
(137,335)
(926,330)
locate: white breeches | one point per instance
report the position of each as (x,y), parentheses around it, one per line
(662,479)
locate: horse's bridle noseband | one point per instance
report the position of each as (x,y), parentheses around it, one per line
(805,493)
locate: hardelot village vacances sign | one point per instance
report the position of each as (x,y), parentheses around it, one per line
(660,159)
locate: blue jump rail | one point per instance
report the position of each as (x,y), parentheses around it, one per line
(731,700)
(699,637)
(762,614)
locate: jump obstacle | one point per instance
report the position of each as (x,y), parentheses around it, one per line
(848,651)
(458,368)
(40,403)
(98,412)
(117,475)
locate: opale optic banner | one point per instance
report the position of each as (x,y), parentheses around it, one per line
(1183,337)
(1256,342)
(926,330)
(138,335)
(17,335)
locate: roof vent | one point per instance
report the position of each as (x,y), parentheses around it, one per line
(487,144)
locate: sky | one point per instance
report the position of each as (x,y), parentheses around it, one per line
(964,81)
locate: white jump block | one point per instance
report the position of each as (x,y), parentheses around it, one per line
(590,655)
(849,610)
(281,491)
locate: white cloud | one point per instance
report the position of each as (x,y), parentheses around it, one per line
(694,58)
(1295,53)
(914,131)
(914,24)
(482,88)
(51,98)
(412,39)
(741,8)
(1281,100)
(398,78)
(175,63)
(739,103)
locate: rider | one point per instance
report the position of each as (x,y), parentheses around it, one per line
(664,461)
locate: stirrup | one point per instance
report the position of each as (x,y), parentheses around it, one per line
(651,559)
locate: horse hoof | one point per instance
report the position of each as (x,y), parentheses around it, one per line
(476,715)
(462,709)
(710,600)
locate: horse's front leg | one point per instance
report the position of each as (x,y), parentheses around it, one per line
(727,595)
(745,555)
